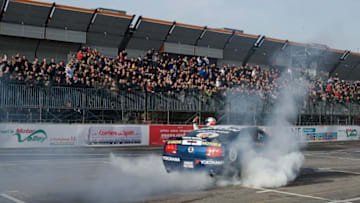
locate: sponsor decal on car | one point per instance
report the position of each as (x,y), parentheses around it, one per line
(207,135)
(188,164)
(174,142)
(169,158)
(213,144)
(211,162)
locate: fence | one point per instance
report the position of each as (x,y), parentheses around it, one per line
(88,99)
(21,96)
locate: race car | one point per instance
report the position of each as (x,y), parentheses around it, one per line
(215,150)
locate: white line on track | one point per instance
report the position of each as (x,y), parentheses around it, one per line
(11,198)
(336,170)
(80,154)
(345,200)
(263,191)
(290,193)
(48,162)
(332,157)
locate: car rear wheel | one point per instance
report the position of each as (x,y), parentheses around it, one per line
(233,154)
(232,166)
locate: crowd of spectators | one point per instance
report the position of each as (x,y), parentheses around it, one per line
(159,72)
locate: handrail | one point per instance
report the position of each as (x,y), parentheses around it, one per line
(22,96)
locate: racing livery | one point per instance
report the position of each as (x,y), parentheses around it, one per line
(211,149)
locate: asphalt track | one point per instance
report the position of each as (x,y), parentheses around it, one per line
(331,173)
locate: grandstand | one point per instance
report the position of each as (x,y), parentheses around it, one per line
(58,32)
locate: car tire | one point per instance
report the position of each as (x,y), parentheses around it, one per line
(233,155)
(232,167)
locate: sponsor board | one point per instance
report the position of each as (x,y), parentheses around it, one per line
(23,136)
(72,140)
(50,135)
(39,135)
(348,133)
(118,135)
(159,134)
(320,134)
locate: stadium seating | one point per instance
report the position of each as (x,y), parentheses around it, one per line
(157,72)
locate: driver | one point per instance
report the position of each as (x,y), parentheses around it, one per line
(209,122)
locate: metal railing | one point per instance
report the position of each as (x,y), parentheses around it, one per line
(22,96)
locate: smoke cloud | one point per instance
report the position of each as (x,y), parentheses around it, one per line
(281,159)
(142,178)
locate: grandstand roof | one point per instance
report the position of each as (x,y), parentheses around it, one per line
(107,28)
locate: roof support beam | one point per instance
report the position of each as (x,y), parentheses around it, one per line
(92,20)
(4,8)
(48,19)
(284,46)
(229,39)
(260,40)
(278,52)
(200,36)
(129,33)
(171,29)
(340,61)
(50,15)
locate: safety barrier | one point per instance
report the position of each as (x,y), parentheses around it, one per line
(19,135)
(23,96)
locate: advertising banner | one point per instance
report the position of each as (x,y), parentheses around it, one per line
(126,135)
(159,134)
(320,133)
(348,133)
(38,135)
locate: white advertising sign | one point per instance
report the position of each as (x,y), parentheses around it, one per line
(68,135)
(39,135)
(127,135)
(348,133)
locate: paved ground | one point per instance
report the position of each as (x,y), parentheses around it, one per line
(331,174)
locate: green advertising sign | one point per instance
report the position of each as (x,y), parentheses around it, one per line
(35,136)
(351,132)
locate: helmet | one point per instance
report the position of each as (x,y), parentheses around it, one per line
(211,121)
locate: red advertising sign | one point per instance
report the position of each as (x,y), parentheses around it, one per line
(159,134)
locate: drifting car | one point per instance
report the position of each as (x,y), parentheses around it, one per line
(211,149)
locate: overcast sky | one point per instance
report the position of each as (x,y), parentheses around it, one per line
(331,22)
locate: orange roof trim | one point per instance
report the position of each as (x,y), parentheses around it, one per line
(36,3)
(220,30)
(189,26)
(157,21)
(355,53)
(339,51)
(275,40)
(246,35)
(75,8)
(114,14)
